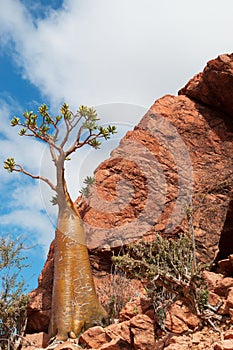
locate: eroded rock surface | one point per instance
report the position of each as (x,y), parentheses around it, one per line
(214,86)
(181,147)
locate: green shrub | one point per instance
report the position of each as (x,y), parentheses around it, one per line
(170,272)
(13,301)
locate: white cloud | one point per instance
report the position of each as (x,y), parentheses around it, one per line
(117,51)
(34,223)
(21,201)
(25,150)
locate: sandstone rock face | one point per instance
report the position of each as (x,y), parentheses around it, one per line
(176,160)
(214,86)
(171,174)
(39,309)
(225,243)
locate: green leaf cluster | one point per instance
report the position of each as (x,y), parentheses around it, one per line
(106,132)
(45,126)
(15,121)
(63,133)
(54,200)
(90,123)
(9,164)
(160,256)
(34,124)
(65,111)
(85,190)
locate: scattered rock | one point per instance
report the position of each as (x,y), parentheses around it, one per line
(230,298)
(135,307)
(36,340)
(226,266)
(116,344)
(94,337)
(223,286)
(212,279)
(180,319)
(121,330)
(67,345)
(224,345)
(228,334)
(231,315)
(143,332)
(138,333)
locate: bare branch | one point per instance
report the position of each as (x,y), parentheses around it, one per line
(53,155)
(55,137)
(77,144)
(46,138)
(56,128)
(32,135)
(74,126)
(20,169)
(76,123)
(79,134)
(52,143)
(65,139)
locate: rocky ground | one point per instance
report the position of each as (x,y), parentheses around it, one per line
(135,328)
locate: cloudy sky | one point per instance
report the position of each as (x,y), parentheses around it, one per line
(116,55)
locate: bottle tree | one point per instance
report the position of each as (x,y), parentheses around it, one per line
(75,305)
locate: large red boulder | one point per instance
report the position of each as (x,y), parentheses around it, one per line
(173,173)
(214,86)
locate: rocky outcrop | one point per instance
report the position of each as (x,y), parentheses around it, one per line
(39,309)
(225,242)
(213,86)
(180,152)
(173,173)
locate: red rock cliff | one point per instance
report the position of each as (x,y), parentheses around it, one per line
(177,160)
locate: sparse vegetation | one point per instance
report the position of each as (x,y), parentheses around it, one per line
(120,292)
(170,272)
(85,190)
(13,300)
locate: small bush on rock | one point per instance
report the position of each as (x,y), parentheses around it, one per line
(170,271)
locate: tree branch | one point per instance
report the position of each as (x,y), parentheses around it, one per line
(53,155)
(37,177)
(76,123)
(46,138)
(77,145)
(65,139)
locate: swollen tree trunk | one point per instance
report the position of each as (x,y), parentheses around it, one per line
(75,305)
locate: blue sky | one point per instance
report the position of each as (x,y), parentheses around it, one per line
(118,56)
